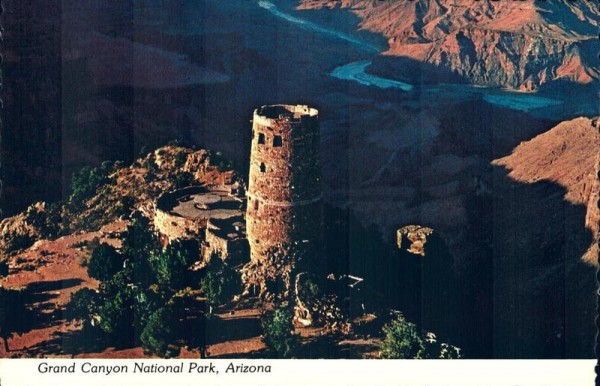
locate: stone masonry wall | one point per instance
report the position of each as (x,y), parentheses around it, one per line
(284,193)
(173,226)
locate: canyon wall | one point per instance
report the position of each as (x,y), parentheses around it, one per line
(516,44)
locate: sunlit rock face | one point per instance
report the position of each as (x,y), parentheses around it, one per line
(568,156)
(520,45)
(416,236)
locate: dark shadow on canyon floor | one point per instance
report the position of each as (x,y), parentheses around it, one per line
(522,292)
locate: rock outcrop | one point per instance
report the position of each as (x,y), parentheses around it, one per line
(516,44)
(128,188)
(567,155)
(21,231)
(167,168)
(416,235)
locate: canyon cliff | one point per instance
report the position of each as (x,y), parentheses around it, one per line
(568,156)
(515,44)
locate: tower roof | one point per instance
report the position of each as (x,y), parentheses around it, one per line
(291,112)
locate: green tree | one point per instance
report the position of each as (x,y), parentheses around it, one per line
(220,283)
(171,264)
(105,262)
(116,308)
(17,241)
(139,243)
(146,303)
(278,335)
(82,305)
(212,287)
(401,340)
(138,238)
(160,334)
(86,181)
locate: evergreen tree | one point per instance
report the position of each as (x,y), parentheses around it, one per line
(220,283)
(82,305)
(278,335)
(159,336)
(401,340)
(105,262)
(171,265)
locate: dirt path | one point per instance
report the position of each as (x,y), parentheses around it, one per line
(48,273)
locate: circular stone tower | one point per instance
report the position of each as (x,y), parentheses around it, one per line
(284,192)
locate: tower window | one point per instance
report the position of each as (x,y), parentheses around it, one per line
(277,141)
(261,139)
(263,168)
(256,205)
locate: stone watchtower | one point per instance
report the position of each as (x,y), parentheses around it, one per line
(284,190)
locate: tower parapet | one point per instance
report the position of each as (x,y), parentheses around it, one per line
(284,212)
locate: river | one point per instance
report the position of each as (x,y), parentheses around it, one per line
(536,104)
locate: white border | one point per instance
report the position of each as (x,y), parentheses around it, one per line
(24,372)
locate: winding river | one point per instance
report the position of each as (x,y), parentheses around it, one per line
(309,25)
(357,72)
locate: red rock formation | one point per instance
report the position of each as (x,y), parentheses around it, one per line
(567,155)
(518,44)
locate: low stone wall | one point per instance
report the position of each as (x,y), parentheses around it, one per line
(233,247)
(216,244)
(173,226)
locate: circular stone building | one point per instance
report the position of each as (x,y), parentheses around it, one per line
(284,208)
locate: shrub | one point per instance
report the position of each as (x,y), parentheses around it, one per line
(104,262)
(53,226)
(146,303)
(278,335)
(171,265)
(436,350)
(401,340)
(121,208)
(309,290)
(159,336)
(16,241)
(81,306)
(220,283)
(448,351)
(86,181)
(116,310)
(138,238)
